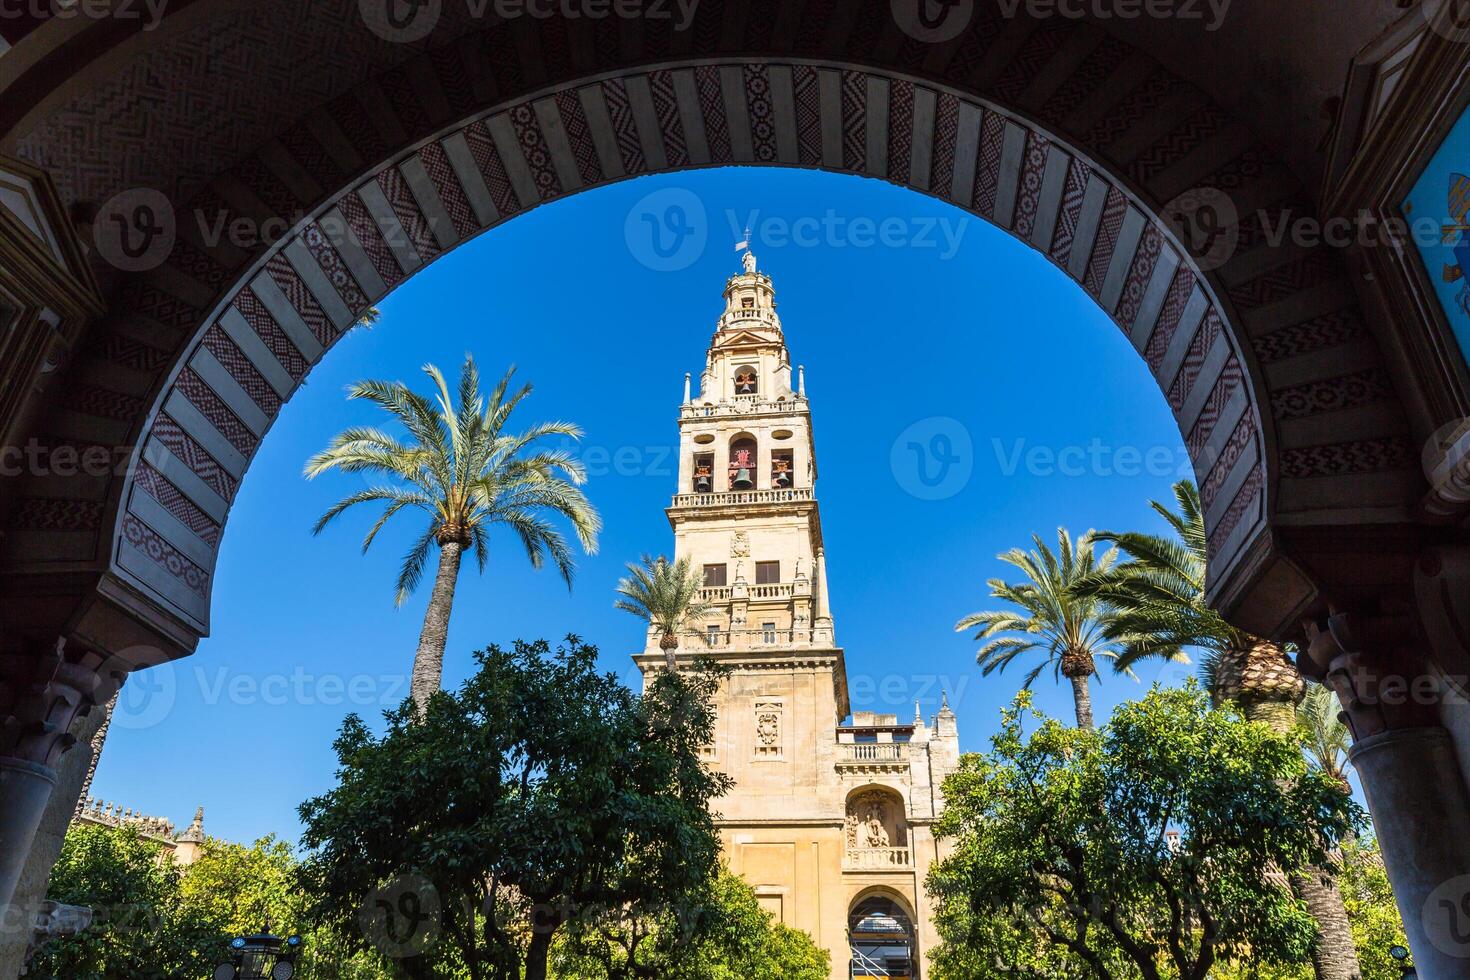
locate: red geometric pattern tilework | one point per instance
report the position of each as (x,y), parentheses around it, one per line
(1107,240)
(1310,270)
(1194,131)
(102,402)
(249,306)
(406,208)
(152,544)
(54,514)
(1332,395)
(301,299)
(1194,358)
(579,137)
(946,131)
(308,151)
(213,408)
(712,109)
(1142,101)
(218,343)
(1078,173)
(335,269)
(370,239)
(854,120)
(1028,195)
(196,457)
(808,115)
(446,184)
(534,149)
(198,266)
(987,164)
(266,186)
(122,349)
(492,168)
(1231,377)
(1035,52)
(1318,333)
(670,124)
(174,501)
(625,129)
(1140,273)
(1095,69)
(143,299)
(1337,459)
(762,114)
(1180,289)
(1245,498)
(900,131)
(1241,437)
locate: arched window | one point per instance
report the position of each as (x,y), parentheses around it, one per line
(742,463)
(746,380)
(782,469)
(704,473)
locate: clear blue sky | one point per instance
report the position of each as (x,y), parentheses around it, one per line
(918,325)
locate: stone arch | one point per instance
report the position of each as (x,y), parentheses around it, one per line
(1067,137)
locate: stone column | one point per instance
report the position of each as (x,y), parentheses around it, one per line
(1411,778)
(44,690)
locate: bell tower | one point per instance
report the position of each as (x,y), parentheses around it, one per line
(745,511)
(828,819)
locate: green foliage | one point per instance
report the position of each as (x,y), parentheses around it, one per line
(540,791)
(720,933)
(1158,594)
(464,470)
(1324,735)
(665,594)
(141,928)
(156,919)
(1157,842)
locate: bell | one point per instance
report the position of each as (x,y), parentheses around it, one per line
(703,484)
(742,479)
(783,479)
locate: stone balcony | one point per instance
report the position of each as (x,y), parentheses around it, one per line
(891,757)
(734,497)
(755,593)
(744,405)
(877,859)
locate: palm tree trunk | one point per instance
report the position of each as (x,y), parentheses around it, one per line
(1335,956)
(1266,684)
(668,643)
(1083,697)
(428,660)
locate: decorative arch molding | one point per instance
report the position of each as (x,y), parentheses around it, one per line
(198,356)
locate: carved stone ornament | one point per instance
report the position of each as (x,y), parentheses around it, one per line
(740,545)
(768,728)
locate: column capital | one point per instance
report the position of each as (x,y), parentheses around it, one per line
(44,687)
(1384,684)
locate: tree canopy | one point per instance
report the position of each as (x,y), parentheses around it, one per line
(1153,847)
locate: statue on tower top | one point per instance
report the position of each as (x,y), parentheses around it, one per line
(748,259)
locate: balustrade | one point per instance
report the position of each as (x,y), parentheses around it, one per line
(742,497)
(877,859)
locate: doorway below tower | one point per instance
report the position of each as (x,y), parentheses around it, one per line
(881,938)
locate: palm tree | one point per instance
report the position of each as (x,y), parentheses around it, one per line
(1324,736)
(1069,630)
(666,595)
(468,472)
(1158,597)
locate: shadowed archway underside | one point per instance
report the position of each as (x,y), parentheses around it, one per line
(1072,140)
